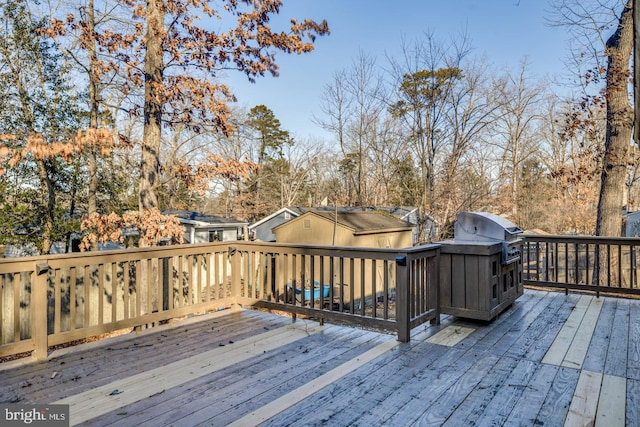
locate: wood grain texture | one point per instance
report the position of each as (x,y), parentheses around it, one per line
(345,401)
(450,336)
(478,403)
(498,409)
(584,404)
(533,395)
(350,376)
(91,365)
(518,337)
(283,402)
(633,359)
(556,404)
(617,353)
(612,403)
(599,346)
(577,351)
(249,385)
(119,393)
(560,346)
(633,409)
(555,322)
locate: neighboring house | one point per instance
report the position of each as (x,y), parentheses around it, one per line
(203,228)
(17,251)
(198,228)
(631,224)
(355,228)
(410,214)
(262,230)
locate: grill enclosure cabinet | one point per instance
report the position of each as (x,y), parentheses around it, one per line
(481,267)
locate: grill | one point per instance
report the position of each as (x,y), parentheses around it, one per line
(487,227)
(481,267)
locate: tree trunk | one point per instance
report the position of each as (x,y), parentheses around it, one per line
(68,244)
(619,121)
(48,191)
(150,159)
(514,179)
(46,185)
(618,138)
(93,109)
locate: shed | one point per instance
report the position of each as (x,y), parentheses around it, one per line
(262,230)
(355,228)
(364,229)
(204,228)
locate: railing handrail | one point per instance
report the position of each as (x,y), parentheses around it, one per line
(581,239)
(137,253)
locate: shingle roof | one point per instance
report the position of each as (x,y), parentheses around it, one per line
(197,217)
(362,222)
(397,211)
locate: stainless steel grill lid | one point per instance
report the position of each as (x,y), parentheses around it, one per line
(483,226)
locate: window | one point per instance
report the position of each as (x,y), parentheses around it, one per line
(215,235)
(287,215)
(307,223)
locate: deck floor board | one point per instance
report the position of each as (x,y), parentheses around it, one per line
(346,400)
(344,375)
(544,340)
(530,401)
(556,404)
(633,408)
(536,331)
(597,352)
(617,351)
(239,397)
(240,382)
(633,361)
(478,402)
(96,365)
(410,399)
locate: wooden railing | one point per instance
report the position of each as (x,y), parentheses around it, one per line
(598,264)
(45,301)
(50,300)
(388,289)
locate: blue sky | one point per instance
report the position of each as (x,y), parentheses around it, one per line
(505,31)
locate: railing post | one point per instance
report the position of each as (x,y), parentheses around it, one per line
(236,272)
(435,286)
(402,299)
(40,311)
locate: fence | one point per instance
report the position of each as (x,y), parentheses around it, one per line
(50,300)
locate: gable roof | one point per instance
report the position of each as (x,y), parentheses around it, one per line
(199,219)
(293,211)
(397,211)
(359,222)
(402,212)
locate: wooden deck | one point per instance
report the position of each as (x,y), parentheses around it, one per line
(548,360)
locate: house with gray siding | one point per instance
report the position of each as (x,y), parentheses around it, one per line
(204,228)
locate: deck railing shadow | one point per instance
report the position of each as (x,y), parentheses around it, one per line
(51,300)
